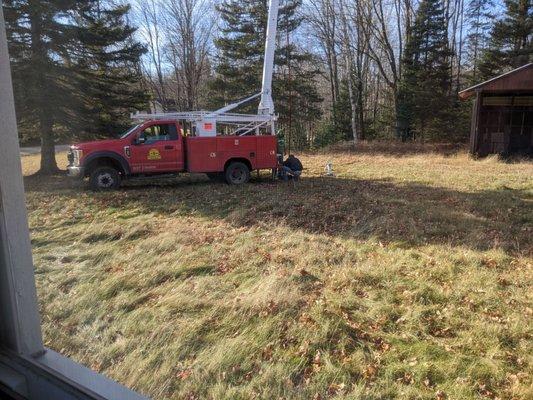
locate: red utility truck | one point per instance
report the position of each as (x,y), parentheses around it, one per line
(218,143)
(157,147)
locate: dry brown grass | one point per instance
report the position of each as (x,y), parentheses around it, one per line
(406,276)
(31,163)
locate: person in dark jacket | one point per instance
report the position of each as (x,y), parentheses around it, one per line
(292,167)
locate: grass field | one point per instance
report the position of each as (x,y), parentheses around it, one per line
(407,276)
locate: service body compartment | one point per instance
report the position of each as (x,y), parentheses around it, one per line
(211,154)
(267,149)
(201,154)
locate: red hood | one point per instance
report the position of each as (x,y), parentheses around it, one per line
(96,144)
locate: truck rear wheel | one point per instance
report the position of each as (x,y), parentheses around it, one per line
(104,178)
(237,173)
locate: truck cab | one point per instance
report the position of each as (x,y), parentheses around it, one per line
(159,147)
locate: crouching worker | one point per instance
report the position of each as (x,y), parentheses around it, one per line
(292,168)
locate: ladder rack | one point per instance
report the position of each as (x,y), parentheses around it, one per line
(194,116)
(206,122)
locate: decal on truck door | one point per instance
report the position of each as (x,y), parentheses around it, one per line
(154,154)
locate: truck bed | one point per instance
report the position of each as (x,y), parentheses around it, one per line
(210,154)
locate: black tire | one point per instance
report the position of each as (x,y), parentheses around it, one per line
(215,176)
(237,173)
(104,178)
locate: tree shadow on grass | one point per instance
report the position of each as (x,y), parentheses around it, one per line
(397,148)
(407,214)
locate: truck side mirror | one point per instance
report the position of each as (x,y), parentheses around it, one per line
(140,140)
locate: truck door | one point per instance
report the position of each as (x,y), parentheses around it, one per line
(157,148)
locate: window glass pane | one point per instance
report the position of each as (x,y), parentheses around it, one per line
(163,132)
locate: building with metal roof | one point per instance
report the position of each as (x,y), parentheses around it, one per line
(502,114)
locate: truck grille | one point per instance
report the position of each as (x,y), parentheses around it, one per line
(70,157)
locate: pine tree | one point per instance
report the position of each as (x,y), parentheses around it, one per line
(241,50)
(72,65)
(109,56)
(479,14)
(511,43)
(424,93)
(40,34)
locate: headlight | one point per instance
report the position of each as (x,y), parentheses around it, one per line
(76,157)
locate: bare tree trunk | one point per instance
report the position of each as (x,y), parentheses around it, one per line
(151,17)
(362,68)
(398,10)
(48,153)
(350,70)
(360,109)
(376,97)
(323,19)
(39,56)
(189,26)
(460,52)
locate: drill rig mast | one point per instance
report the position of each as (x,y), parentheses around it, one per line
(205,122)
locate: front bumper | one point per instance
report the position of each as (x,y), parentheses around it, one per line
(75,172)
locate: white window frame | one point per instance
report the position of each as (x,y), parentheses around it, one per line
(27,369)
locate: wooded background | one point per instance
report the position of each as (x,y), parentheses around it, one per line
(345,69)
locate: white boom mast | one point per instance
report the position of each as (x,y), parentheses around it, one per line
(205,122)
(266,106)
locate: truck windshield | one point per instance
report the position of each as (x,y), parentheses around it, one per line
(124,135)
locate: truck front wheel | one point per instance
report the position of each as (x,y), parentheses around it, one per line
(237,173)
(104,178)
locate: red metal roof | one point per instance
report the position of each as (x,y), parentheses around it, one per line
(520,79)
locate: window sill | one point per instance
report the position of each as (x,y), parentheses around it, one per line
(53,376)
